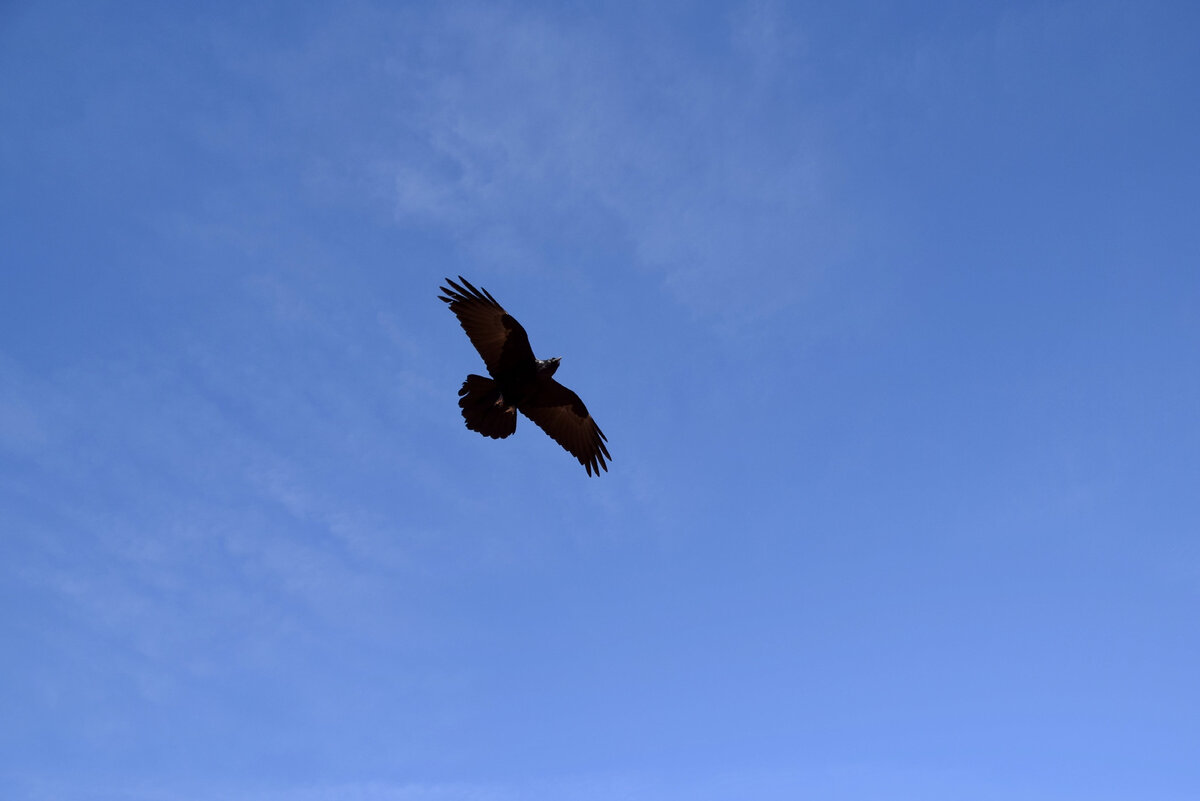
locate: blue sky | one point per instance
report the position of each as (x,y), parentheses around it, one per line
(889,312)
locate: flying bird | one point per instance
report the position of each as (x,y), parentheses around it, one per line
(519,381)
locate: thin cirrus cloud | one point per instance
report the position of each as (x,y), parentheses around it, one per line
(530,120)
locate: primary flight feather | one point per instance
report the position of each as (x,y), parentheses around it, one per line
(519,381)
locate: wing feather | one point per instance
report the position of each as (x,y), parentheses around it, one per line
(560,413)
(495,333)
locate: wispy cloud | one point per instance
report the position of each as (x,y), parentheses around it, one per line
(522,121)
(150,497)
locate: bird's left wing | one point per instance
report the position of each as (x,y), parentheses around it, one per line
(495,333)
(560,413)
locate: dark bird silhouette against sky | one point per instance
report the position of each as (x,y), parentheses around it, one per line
(519,382)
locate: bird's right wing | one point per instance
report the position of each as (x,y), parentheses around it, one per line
(560,413)
(498,337)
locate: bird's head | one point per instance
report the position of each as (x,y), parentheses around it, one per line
(548,366)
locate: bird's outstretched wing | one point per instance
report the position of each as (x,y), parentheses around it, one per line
(560,413)
(498,337)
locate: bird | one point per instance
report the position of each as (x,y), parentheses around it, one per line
(519,381)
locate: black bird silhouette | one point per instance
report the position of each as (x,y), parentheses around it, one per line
(519,381)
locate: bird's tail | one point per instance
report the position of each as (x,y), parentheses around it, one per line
(484,409)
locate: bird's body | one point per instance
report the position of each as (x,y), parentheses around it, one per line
(519,381)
